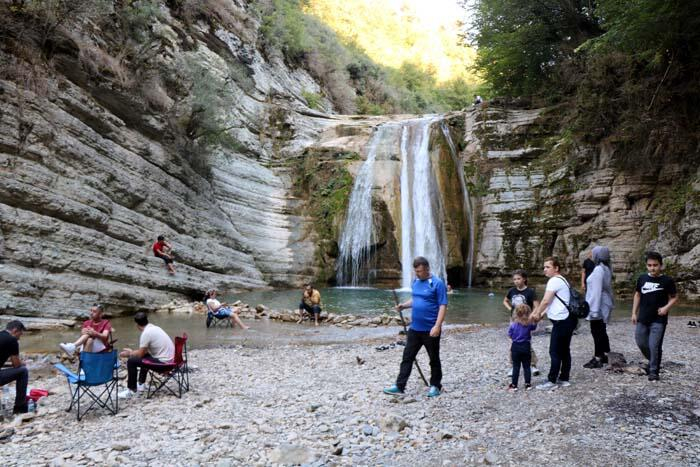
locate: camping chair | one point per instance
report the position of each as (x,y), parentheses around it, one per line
(96,372)
(213,320)
(172,376)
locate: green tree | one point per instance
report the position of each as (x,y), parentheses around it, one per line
(522,42)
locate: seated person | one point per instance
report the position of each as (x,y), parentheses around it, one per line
(94,336)
(154,344)
(9,348)
(221,310)
(310,303)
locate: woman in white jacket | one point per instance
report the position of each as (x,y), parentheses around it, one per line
(599,296)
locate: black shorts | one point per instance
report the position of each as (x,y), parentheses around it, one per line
(315,309)
(164,258)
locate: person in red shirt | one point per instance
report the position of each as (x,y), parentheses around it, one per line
(164,251)
(94,336)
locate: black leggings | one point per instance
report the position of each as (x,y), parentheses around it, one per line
(601,343)
(560,348)
(521,354)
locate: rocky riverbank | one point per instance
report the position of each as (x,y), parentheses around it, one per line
(322,405)
(288,316)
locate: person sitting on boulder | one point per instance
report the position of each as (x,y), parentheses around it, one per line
(164,251)
(221,310)
(9,348)
(94,335)
(310,303)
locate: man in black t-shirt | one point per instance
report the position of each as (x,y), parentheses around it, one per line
(9,348)
(654,296)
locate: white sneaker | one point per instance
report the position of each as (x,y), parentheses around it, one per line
(564,384)
(67,348)
(534,371)
(140,387)
(546,386)
(127,394)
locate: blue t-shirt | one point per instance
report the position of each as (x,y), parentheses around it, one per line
(428,295)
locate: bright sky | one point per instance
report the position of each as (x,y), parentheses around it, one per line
(434,12)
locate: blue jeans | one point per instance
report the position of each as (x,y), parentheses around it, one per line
(650,338)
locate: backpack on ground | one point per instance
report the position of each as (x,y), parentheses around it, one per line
(577,306)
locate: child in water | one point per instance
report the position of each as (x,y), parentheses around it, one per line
(517,295)
(520,334)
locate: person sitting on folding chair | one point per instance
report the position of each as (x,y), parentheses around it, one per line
(9,348)
(222,310)
(154,344)
(94,336)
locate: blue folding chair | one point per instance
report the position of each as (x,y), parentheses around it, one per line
(96,382)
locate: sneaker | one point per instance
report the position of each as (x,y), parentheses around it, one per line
(590,363)
(692,324)
(67,348)
(433,391)
(534,371)
(512,388)
(546,386)
(393,391)
(653,377)
(564,384)
(127,394)
(528,386)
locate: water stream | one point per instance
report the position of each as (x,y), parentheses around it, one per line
(469,210)
(421,211)
(359,235)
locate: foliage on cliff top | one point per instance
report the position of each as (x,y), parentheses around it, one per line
(350,78)
(629,69)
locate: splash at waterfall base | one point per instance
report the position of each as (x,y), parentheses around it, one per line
(259,406)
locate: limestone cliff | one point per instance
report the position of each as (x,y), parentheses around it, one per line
(92,169)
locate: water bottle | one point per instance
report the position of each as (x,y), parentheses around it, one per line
(31,406)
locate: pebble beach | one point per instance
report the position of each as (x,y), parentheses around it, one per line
(322,405)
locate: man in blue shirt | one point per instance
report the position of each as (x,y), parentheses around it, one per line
(429,304)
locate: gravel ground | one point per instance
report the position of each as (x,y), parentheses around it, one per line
(317,405)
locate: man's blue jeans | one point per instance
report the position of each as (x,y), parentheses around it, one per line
(650,338)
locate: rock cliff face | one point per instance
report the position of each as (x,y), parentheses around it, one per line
(89,176)
(541,194)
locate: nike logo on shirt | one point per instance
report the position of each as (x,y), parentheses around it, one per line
(650,287)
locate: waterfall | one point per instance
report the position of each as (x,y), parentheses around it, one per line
(421,210)
(467,200)
(359,235)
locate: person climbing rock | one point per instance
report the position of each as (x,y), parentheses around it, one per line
(164,251)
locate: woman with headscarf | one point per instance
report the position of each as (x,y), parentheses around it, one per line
(599,296)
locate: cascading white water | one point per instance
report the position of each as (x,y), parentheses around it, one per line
(467,200)
(358,235)
(421,211)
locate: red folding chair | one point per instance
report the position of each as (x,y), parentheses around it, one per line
(172,376)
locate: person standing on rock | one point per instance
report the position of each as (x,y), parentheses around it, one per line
(154,344)
(655,294)
(599,295)
(9,348)
(164,251)
(310,303)
(94,335)
(554,304)
(429,307)
(221,310)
